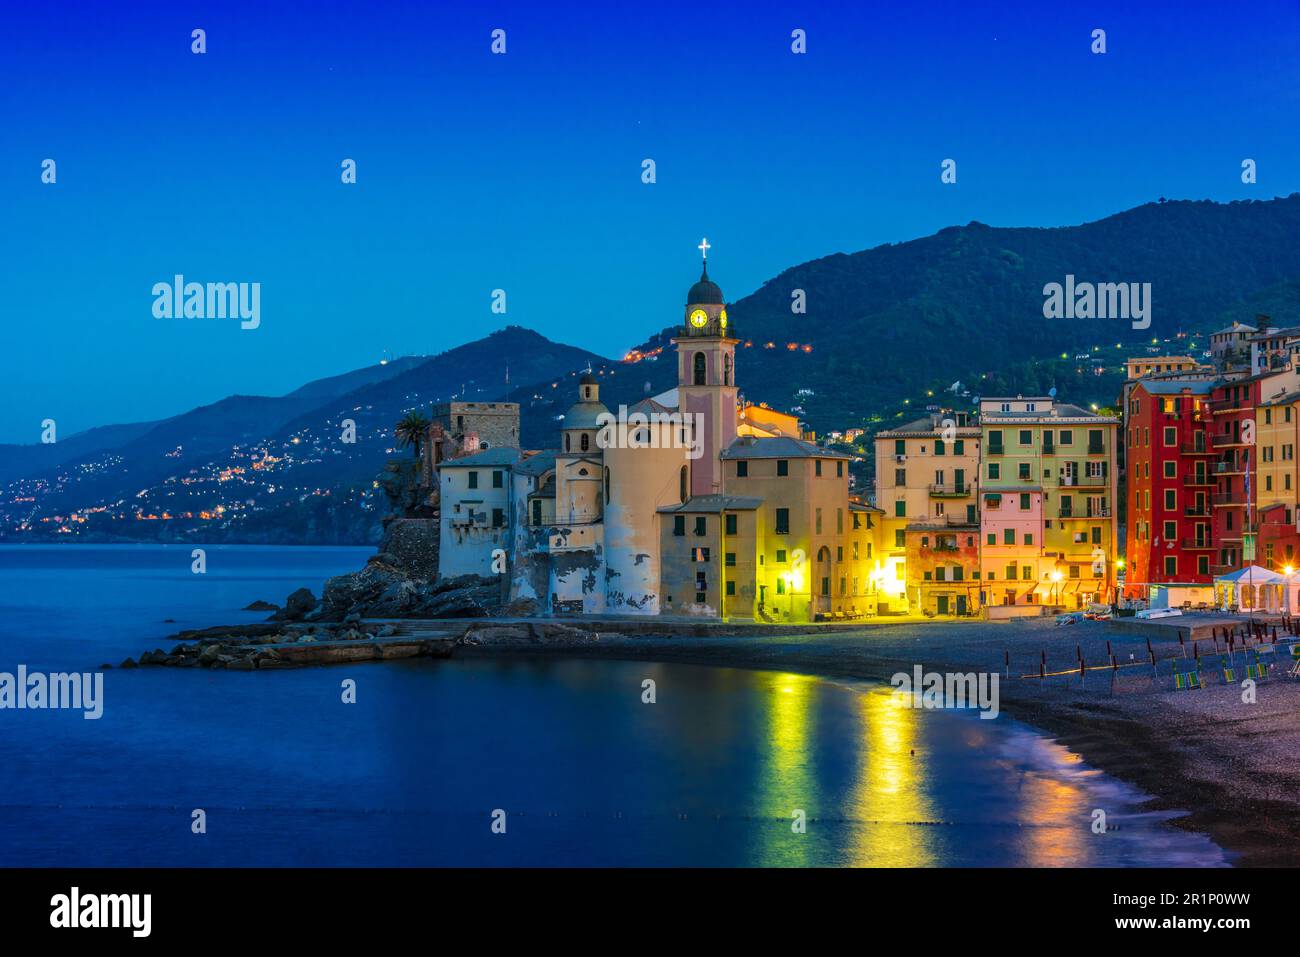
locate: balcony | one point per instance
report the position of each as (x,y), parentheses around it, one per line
(996,450)
(1230,500)
(1096,511)
(1049,448)
(1230,405)
(1197,544)
(1096,448)
(1227,468)
(1196,448)
(1197,511)
(1227,441)
(950,491)
(1195,478)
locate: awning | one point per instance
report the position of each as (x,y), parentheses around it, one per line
(993,496)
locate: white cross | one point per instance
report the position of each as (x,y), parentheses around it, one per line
(704,248)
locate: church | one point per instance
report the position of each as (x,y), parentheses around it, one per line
(693,505)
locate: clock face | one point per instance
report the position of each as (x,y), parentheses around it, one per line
(699,318)
(723,318)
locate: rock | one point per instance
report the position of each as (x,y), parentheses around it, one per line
(352,618)
(127,664)
(260,605)
(105,667)
(387,631)
(297,606)
(210,653)
(521,608)
(240,664)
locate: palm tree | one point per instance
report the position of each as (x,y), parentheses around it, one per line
(411,431)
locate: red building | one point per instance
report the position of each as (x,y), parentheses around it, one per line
(1232,410)
(1170,467)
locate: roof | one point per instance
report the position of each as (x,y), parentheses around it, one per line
(715,503)
(778,447)
(1252,575)
(585,415)
(547,490)
(502,456)
(932,425)
(1176,386)
(706,292)
(537,463)
(1060,411)
(1235,327)
(650,404)
(861,507)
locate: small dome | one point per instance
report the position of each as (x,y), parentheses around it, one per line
(585,415)
(705,292)
(588,379)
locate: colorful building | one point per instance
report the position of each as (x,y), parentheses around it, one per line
(1048,493)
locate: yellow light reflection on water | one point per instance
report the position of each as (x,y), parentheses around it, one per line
(891,793)
(787,780)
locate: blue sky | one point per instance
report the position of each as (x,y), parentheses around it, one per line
(523,171)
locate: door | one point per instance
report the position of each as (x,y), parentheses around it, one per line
(943,604)
(961,604)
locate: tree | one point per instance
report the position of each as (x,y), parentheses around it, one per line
(411,431)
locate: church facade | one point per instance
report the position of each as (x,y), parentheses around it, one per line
(686,503)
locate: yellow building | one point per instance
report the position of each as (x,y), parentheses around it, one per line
(927,484)
(1276,491)
(1049,489)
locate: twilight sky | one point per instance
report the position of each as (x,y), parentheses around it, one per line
(523,171)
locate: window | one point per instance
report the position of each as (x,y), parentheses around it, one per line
(730,559)
(1027,573)
(498,517)
(1074,571)
(940,447)
(1008,536)
(900,509)
(1171,499)
(995,470)
(839,470)
(537,511)
(742,469)
(1010,573)
(817,467)
(498,479)
(679,524)
(995,441)
(992,538)
(1067,437)
(731,588)
(473,479)
(699,555)
(1024,472)
(1024,501)
(699,368)
(959,447)
(780,586)
(900,446)
(1171,469)
(819,521)
(780,556)
(701,525)
(782,467)
(899,539)
(731,523)
(586,442)
(1171,436)
(1203,564)
(783,521)
(681,484)
(1171,531)
(1026,437)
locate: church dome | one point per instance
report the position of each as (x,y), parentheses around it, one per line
(705,292)
(588,379)
(585,415)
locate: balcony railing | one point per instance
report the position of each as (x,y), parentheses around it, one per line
(1226,441)
(1227,500)
(1231,405)
(1197,543)
(1049,448)
(1197,449)
(1197,511)
(1096,448)
(1198,478)
(996,450)
(940,491)
(1227,468)
(1096,511)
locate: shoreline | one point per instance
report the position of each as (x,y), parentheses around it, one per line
(1213,768)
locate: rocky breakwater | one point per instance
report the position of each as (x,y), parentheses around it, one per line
(291,645)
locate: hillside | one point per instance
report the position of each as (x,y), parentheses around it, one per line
(887,331)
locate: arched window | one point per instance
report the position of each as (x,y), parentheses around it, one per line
(586,441)
(681,485)
(726,370)
(568,443)
(699,368)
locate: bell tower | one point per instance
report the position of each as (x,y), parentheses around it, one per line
(706,377)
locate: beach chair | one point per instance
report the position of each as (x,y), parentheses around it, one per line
(1295,660)
(1228,669)
(1187,680)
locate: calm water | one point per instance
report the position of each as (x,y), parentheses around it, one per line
(411,772)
